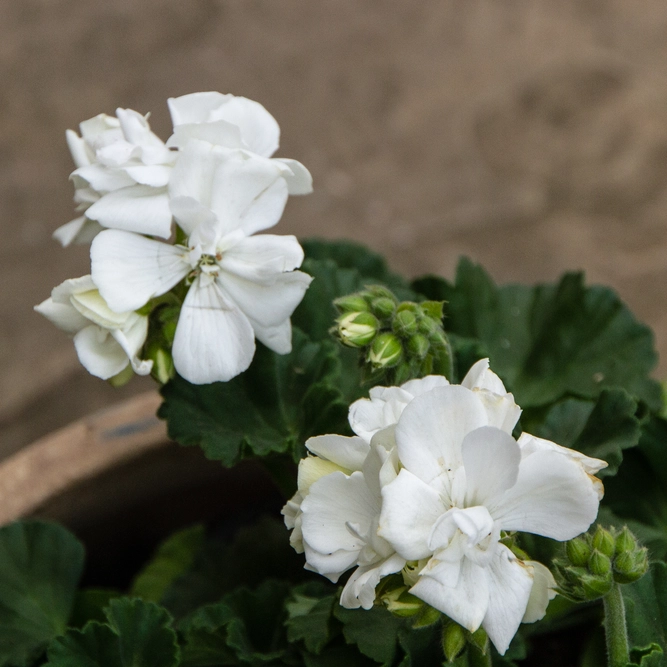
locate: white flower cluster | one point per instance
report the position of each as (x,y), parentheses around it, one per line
(428,487)
(215,178)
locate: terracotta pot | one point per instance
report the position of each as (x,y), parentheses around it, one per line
(116,480)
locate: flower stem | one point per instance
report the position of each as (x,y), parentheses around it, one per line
(616,633)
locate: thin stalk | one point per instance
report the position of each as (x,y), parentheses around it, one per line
(615,630)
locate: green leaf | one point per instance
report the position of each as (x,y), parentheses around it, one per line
(601,429)
(138,634)
(550,341)
(172,558)
(257,551)
(279,402)
(646,616)
(40,568)
(309,612)
(374,631)
(246,625)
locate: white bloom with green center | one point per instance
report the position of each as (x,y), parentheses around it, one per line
(121,178)
(463,481)
(241,286)
(234,122)
(106,342)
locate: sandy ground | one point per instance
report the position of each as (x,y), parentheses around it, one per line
(528,135)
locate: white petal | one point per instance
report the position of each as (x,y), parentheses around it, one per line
(191,216)
(219,133)
(431,429)
(277,338)
(543,590)
(267,304)
(510,583)
(99,353)
(422,385)
(502,411)
(79,230)
(300,182)
(331,565)
(311,469)
(409,509)
(77,147)
(63,315)
(195,107)
(63,292)
(349,453)
(531,444)
(480,376)
(491,459)
(260,258)
(466,603)
(155,175)
(359,590)
(553,497)
(132,339)
(138,208)
(129,269)
(102,178)
(93,307)
(214,341)
(368,416)
(333,502)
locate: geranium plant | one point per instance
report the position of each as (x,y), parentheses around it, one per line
(471,474)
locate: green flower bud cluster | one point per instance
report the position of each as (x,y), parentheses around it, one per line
(593,562)
(455,639)
(398,340)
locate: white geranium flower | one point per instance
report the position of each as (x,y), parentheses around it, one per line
(464,480)
(234,122)
(121,178)
(106,342)
(242,286)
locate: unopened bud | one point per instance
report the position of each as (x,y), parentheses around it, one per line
(383,307)
(599,564)
(357,329)
(163,364)
(428,326)
(433,309)
(480,639)
(426,617)
(404,324)
(625,541)
(604,542)
(386,351)
(401,603)
(595,587)
(351,303)
(418,346)
(578,551)
(453,640)
(630,566)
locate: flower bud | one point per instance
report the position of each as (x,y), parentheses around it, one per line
(629,566)
(418,346)
(357,329)
(432,309)
(386,351)
(351,303)
(453,640)
(401,603)
(595,587)
(625,541)
(604,542)
(578,551)
(383,307)
(426,617)
(404,324)
(163,364)
(428,326)
(599,564)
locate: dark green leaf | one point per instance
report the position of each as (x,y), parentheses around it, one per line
(246,625)
(309,612)
(173,557)
(374,631)
(550,341)
(138,634)
(646,615)
(601,429)
(40,568)
(274,406)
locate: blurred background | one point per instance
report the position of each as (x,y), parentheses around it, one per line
(530,135)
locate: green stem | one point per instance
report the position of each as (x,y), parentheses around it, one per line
(615,630)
